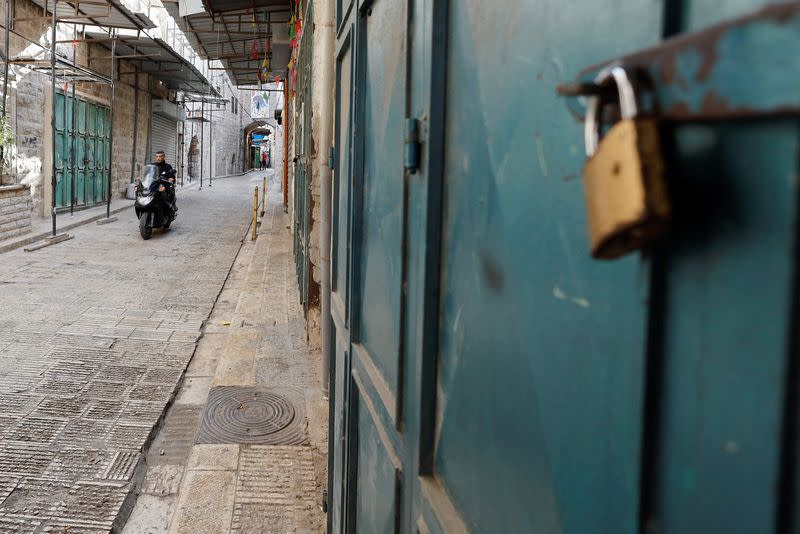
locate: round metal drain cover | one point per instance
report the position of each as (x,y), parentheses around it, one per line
(244,415)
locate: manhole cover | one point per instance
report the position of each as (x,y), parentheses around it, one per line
(237,414)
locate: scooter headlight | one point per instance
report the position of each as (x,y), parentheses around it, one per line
(144,200)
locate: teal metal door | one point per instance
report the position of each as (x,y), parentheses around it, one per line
(87,173)
(488,375)
(303,179)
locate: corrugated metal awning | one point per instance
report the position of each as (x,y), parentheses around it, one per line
(107,13)
(235,31)
(155,56)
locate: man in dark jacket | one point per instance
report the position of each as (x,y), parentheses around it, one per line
(165,170)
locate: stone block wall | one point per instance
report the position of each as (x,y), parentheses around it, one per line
(227,124)
(15,211)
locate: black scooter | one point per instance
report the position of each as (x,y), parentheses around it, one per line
(153,208)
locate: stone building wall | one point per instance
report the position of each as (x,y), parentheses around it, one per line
(227,123)
(15,211)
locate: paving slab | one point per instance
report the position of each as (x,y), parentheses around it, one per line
(207,503)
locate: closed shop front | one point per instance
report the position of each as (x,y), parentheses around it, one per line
(164,134)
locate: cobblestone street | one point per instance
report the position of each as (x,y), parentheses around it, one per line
(95,334)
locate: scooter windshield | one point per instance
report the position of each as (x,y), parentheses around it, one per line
(148,176)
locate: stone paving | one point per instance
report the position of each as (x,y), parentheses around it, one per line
(258,466)
(95,334)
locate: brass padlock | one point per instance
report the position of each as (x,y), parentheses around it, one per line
(626,195)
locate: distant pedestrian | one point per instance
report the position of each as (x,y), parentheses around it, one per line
(263,160)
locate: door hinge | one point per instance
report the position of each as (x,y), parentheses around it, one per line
(332,158)
(412,145)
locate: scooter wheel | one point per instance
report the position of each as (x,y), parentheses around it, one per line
(146,225)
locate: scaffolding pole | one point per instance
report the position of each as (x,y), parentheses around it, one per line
(202,144)
(72,161)
(181,155)
(7,52)
(285,148)
(111,123)
(189,163)
(135,123)
(210,144)
(53,117)
(211,131)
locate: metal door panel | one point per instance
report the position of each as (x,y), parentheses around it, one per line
(102,118)
(726,312)
(91,119)
(540,385)
(377,476)
(341,183)
(81,116)
(379,272)
(303,165)
(100,162)
(80,176)
(338,431)
(340,377)
(61,152)
(91,172)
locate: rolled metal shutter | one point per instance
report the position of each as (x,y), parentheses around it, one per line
(165,137)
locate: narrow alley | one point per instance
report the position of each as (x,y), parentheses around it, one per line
(439,267)
(95,337)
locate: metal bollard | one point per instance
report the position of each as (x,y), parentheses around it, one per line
(263,195)
(255,213)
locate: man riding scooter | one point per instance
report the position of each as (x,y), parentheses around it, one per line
(166,171)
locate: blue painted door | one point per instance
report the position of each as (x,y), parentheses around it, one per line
(488,375)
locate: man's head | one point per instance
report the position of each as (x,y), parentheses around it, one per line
(160,156)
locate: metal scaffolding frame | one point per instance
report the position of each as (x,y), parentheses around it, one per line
(224,34)
(110,15)
(68,71)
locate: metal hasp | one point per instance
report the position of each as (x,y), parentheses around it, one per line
(726,71)
(412,145)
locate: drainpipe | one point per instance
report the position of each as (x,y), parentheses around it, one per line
(326,142)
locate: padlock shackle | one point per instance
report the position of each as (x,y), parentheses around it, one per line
(627,104)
